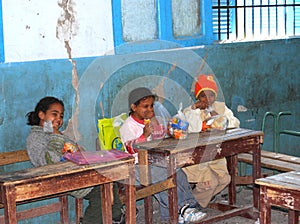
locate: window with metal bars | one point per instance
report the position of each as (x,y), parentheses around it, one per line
(255,19)
(184,22)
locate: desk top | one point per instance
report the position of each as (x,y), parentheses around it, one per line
(289,180)
(57,170)
(194,140)
(202,147)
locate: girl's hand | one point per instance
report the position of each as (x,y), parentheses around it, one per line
(147,130)
(201,104)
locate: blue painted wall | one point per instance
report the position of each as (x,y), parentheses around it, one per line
(261,76)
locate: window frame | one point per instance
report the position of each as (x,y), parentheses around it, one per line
(164,22)
(250,30)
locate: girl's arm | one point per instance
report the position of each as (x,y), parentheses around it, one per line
(55,147)
(233,122)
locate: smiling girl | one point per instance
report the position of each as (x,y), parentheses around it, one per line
(136,129)
(45,145)
(45,142)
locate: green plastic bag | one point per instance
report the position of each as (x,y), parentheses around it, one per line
(109,132)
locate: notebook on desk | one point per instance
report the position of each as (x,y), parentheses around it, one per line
(91,157)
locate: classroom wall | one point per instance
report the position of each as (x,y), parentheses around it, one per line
(40,30)
(68,62)
(255,77)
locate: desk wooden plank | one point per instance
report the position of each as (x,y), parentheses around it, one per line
(206,145)
(268,162)
(203,147)
(172,145)
(62,168)
(290,180)
(43,186)
(13,157)
(63,177)
(39,181)
(280,157)
(282,190)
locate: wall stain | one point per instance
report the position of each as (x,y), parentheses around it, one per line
(159,89)
(291,92)
(66,29)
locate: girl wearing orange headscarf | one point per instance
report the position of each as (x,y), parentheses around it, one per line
(210,177)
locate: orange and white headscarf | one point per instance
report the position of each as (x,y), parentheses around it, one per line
(205,82)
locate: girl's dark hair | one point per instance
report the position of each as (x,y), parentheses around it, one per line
(43,105)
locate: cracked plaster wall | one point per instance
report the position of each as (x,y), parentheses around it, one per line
(260,76)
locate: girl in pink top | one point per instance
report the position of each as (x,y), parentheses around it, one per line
(137,128)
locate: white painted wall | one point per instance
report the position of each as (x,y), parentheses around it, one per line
(30,29)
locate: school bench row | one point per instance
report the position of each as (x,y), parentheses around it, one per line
(61,206)
(7,158)
(280,190)
(54,181)
(270,160)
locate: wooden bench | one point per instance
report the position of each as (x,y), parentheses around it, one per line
(274,160)
(281,190)
(18,156)
(144,191)
(270,160)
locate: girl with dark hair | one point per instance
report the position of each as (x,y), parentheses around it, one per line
(137,128)
(45,145)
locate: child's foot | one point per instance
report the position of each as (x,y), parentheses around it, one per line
(190,215)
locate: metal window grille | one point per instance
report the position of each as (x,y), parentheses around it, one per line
(255,19)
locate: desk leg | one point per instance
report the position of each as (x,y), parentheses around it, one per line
(148,206)
(130,203)
(64,211)
(293,217)
(173,197)
(106,200)
(256,171)
(10,210)
(145,179)
(265,208)
(79,207)
(232,162)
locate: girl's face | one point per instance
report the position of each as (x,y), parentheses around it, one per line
(207,96)
(55,114)
(144,110)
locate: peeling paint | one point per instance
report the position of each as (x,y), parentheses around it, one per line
(66,25)
(219,149)
(67,28)
(286,198)
(241,108)
(289,201)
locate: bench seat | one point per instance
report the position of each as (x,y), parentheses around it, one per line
(275,161)
(61,206)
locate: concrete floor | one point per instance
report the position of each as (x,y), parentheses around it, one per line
(244,197)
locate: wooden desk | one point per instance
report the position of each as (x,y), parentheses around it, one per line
(203,147)
(66,176)
(282,190)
